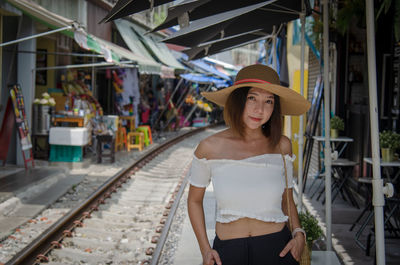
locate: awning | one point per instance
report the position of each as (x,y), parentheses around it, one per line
(110,51)
(208,69)
(223,67)
(202,79)
(147,45)
(113,52)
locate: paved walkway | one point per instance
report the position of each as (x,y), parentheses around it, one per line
(344,243)
(345,251)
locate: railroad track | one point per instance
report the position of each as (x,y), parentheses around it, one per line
(126,221)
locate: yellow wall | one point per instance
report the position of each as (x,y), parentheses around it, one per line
(295,119)
(50,46)
(294,60)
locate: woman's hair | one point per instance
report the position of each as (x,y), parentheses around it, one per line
(233,115)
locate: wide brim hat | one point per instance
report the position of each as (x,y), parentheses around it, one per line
(264,77)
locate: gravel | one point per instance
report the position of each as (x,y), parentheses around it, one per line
(95,175)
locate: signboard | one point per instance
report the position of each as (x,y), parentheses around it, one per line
(20,117)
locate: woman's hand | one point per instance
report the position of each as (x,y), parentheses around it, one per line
(211,257)
(295,246)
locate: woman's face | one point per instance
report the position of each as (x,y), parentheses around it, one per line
(258,109)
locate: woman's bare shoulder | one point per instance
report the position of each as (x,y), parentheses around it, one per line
(212,145)
(285,145)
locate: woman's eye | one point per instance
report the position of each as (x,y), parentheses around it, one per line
(269,101)
(251,98)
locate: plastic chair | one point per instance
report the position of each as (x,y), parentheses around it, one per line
(146,130)
(135,140)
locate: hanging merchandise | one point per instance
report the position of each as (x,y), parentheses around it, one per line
(117,81)
(130,96)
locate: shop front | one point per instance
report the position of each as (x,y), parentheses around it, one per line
(64,74)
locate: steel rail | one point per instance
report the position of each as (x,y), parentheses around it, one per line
(164,234)
(37,251)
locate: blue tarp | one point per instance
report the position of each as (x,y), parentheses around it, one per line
(203,79)
(210,69)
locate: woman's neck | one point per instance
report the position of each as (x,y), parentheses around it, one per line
(251,135)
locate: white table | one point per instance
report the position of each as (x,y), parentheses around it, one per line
(344,140)
(389,210)
(336,143)
(385,166)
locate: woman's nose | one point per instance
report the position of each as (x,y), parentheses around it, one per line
(258,108)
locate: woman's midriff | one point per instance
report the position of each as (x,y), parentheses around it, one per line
(246,227)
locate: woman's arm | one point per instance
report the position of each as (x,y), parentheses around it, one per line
(196,212)
(296,245)
(196,216)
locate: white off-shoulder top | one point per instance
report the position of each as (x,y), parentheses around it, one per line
(250,187)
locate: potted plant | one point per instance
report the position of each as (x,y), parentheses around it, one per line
(310,224)
(337,124)
(389,141)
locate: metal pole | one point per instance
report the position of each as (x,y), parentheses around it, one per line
(377,200)
(126,64)
(169,100)
(274,47)
(301,126)
(60,53)
(327,149)
(93,80)
(35,36)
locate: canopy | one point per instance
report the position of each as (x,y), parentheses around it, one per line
(208,28)
(203,79)
(110,51)
(125,8)
(223,67)
(208,69)
(224,44)
(194,10)
(153,44)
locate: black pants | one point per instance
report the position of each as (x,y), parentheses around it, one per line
(257,250)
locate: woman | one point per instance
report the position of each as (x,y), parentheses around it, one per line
(247,164)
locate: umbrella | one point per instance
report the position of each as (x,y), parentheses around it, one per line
(214,47)
(231,23)
(204,8)
(327,149)
(377,186)
(378,189)
(125,8)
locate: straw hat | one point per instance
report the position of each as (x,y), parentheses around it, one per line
(264,77)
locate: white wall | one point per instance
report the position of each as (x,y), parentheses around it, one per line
(26,62)
(72,9)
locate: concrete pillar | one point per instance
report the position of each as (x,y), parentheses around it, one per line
(26,63)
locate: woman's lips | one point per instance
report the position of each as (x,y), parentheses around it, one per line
(255,119)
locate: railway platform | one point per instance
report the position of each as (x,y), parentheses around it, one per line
(345,251)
